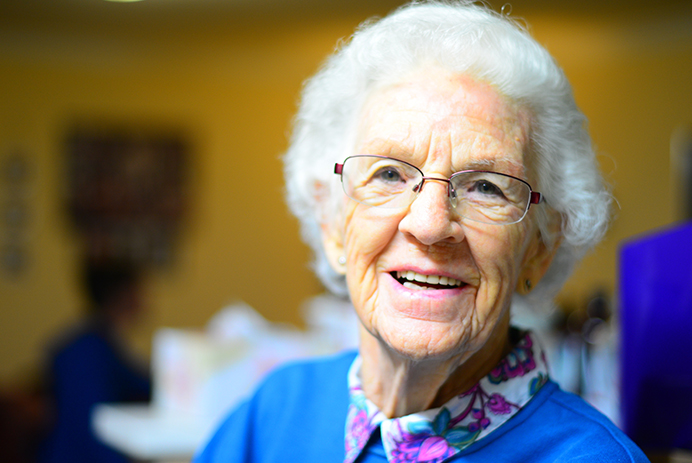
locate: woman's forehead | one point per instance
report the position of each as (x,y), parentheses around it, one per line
(444,92)
(443,112)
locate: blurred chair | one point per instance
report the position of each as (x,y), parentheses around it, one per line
(656,323)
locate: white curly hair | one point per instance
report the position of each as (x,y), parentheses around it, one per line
(465,38)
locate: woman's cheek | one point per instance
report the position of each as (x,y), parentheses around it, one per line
(368,232)
(496,256)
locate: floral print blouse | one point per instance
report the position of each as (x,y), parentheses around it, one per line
(437,434)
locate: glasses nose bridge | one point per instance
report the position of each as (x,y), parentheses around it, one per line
(451,194)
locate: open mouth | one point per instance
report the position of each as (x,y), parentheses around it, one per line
(418,281)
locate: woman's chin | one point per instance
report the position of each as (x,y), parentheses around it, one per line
(418,340)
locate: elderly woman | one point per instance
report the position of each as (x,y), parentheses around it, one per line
(441,172)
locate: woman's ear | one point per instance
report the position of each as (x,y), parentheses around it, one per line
(537,260)
(332,233)
(333,243)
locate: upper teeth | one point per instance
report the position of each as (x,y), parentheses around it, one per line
(432,279)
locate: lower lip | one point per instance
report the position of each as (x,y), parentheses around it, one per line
(432,305)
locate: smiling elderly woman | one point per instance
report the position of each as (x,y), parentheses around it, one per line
(441,171)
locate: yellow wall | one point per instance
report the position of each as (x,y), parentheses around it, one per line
(232,94)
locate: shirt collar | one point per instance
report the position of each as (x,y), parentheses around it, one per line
(437,434)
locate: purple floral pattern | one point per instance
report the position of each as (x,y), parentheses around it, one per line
(517,363)
(498,405)
(360,430)
(435,435)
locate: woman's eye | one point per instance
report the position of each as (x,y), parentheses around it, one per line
(487,188)
(388,174)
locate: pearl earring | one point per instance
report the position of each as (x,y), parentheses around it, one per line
(342,260)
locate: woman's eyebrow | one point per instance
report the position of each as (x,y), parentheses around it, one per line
(504,163)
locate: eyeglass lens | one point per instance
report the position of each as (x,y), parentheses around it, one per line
(486,197)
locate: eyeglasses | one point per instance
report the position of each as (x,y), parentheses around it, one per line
(478,195)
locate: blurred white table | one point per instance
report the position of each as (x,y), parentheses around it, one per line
(148,433)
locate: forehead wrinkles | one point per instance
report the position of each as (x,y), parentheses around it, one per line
(437,111)
(479,109)
(501,136)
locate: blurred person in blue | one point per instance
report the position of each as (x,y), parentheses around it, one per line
(90,364)
(442,172)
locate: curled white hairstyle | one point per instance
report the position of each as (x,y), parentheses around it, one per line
(464,38)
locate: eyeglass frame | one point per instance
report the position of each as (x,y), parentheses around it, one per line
(534,196)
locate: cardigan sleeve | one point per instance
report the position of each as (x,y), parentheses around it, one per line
(232,441)
(298,413)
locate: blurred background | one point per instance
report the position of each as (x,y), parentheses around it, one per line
(189,103)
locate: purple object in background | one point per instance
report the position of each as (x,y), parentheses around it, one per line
(656,333)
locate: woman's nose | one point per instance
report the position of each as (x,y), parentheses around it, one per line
(432,218)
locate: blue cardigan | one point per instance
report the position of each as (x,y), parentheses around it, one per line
(299,412)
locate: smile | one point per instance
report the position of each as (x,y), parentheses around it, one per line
(417,281)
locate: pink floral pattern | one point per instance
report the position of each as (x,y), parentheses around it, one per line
(517,363)
(498,405)
(360,430)
(417,447)
(435,435)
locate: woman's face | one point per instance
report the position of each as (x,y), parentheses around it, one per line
(442,123)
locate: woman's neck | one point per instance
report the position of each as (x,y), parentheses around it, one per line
(400,386)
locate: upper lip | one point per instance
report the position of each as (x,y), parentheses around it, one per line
(431,277)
